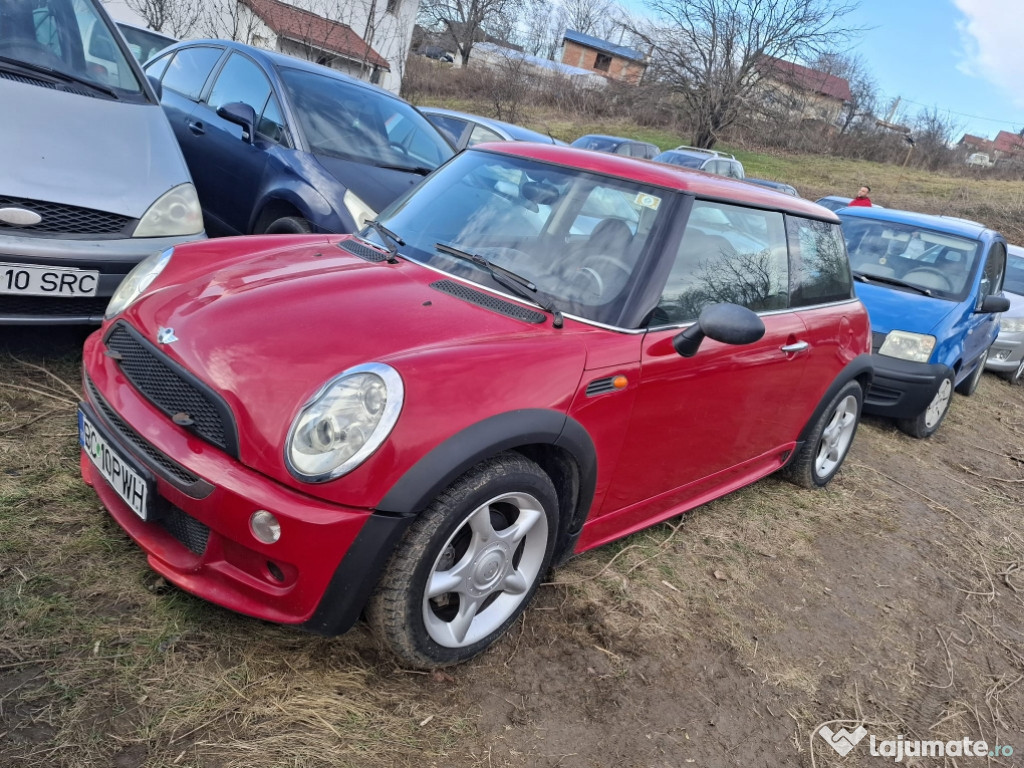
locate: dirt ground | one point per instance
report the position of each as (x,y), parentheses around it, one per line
(892,600)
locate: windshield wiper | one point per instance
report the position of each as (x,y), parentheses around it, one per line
(420,170)
(57,74)
(867,277)
(519,285)
(390,239)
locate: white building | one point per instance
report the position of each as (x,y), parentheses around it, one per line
(368,39)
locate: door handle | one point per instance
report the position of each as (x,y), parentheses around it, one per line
(795,347)
(196,127)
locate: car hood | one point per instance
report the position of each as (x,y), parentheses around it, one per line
(893,309)
(375,186)
(92,152)
(268,330)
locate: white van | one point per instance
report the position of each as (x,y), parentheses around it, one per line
(93,180)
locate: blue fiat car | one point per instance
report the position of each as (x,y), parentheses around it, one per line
(933,288)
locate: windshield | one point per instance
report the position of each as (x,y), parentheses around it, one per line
(67,39)
(1014,281)
(936,262)
(678,158)
(579,237)
(597,143)
(345,120)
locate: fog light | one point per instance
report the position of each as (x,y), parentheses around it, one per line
(264,526)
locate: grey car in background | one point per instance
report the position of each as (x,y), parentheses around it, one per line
(93,180)
(465,130)
(1006,357)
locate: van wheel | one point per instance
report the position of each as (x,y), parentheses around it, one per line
(469,564)
(829,440)
(970,384)
(289,225)
(926,422)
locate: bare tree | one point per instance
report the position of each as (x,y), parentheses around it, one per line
(599,18)
(863,103)
(172,17)
(712,52)
(466,21)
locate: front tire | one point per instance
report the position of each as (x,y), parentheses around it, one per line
(829,440)
(1014,377)
(929,420)
(289,225)
(469,564)
(968,386)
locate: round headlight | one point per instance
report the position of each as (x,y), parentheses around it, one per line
(345,422)
(137,281)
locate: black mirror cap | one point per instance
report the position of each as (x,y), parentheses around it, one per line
(157,87)
(240,113)
(725,323)
(993,303)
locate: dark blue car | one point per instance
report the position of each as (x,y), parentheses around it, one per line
(280,145)
(933,287)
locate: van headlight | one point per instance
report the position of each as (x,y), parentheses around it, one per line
(137,281)
(1011,324)
(359,210)
(176,212)
(908,346)
(344,423)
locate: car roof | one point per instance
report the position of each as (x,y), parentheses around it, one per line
(511,130)
(606,137)
(662,175)
(949,224)
(274,59)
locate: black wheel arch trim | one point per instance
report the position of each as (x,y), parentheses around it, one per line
(495,434)
(861,367)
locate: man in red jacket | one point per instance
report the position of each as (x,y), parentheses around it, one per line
(862,197)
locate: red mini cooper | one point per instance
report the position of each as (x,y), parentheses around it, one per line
(538,350)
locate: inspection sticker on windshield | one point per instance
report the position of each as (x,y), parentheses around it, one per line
(647,201)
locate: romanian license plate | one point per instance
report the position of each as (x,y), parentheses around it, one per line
(33,280)
(127,481)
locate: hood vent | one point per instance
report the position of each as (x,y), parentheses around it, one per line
(364,252)
(487,301)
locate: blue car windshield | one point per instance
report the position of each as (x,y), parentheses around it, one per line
(345,120)
(580,238)
(940,263)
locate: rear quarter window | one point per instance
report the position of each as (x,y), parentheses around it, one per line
(819,268)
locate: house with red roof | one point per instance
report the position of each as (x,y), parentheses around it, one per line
(1006,147)
(345,37)
(808,93)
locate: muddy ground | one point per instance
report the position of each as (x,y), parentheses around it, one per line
(893,600)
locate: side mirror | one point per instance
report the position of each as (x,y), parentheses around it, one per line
(242,114)
(993,303)
(157,86)
(727,323)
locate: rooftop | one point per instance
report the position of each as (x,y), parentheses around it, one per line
(603,45)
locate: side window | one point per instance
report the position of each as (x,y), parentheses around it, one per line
(995,268)
(728,253)
(157,67)
(189,70)
(481,134)
(451,127)
(735,170)
(240,80)
(819,268)
(271,123)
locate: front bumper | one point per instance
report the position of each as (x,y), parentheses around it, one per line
(902,389)
(318,574)
(1006,352)
(113,258)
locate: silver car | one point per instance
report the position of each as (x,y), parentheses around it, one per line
(1006,356)
(93,180)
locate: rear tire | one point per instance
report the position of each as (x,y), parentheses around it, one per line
(829,440)
(925,423)
(968,386)
(289,225)
(469,564)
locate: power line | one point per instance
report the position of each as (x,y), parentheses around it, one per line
(1002,121)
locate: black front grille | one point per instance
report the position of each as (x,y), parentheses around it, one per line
(487,301)
(64,219)
(173,389)
(50,306)
(186,529)
(186,481)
